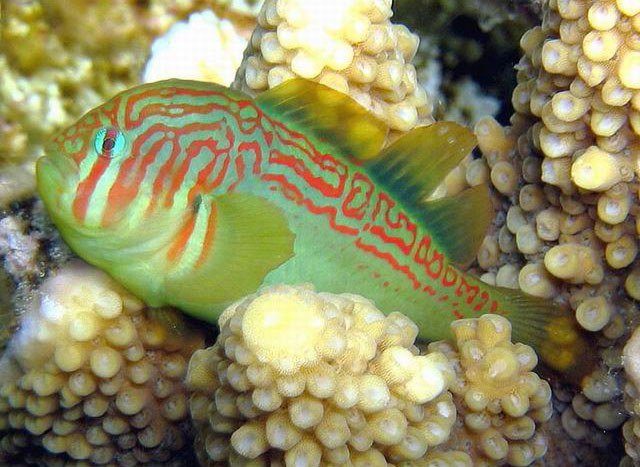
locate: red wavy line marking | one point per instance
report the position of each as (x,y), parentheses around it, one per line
(293,193)
(402,224)
(389,259)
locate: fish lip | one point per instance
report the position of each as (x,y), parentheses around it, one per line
(63,163)
(57,168)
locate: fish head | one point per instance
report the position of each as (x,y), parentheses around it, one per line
(91,168)
(70,175)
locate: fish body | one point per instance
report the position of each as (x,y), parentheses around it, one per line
(194,195)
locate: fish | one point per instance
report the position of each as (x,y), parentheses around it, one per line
(194,195)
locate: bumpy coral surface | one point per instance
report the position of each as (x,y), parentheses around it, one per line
(501,402)
(568,160)
(631,428)
(91,376)
(215,59)
(349,45)
(307,378)
(568,168)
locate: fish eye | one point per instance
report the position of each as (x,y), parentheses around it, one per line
(109,142)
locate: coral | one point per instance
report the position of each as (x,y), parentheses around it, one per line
(350,46)
(501,402)
(466,52)
(565,169)
(467,104)
(91,375)
(216,58)
(18,248)
(249,8)
(305,377)
(8,320)
(570,206)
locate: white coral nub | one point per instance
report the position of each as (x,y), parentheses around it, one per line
(203,48)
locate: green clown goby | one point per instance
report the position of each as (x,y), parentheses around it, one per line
(194,195)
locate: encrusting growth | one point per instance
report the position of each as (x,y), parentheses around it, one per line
(306,378)
(92,377)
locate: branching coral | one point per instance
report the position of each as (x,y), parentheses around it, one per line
(500,401)
(308,378)
(561,111)
(568,166)
(350,46)
(90,375)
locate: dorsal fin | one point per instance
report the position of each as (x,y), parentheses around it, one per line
(459,223)
(414,165)
(337,119)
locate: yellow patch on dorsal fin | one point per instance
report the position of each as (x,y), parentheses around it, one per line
(417,163)
(338,120)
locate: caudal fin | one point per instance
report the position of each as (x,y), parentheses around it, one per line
(553,332)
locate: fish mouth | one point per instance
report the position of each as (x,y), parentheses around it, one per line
(56,174)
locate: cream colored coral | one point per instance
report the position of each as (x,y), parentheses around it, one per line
(349,45)
(204,48)
(60,59)
(95,378)
(632,358)
(501,401)
(574,139)
(317,378)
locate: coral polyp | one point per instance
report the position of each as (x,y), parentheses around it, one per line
(501,402)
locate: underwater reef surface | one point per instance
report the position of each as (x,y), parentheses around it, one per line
(558,142)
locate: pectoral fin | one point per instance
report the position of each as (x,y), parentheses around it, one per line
(250,238)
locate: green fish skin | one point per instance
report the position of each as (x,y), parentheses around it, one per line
(194,195)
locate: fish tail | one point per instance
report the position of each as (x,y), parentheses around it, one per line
(552,330)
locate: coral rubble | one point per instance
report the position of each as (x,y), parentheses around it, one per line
(92,375)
